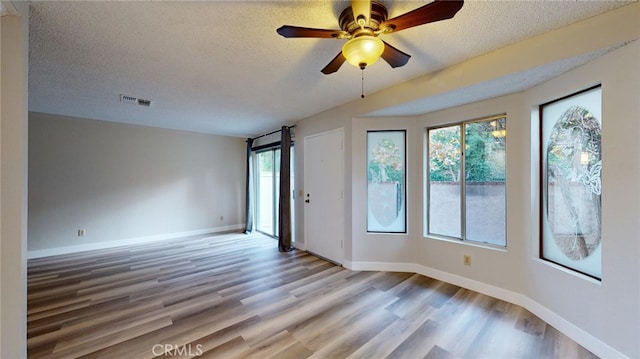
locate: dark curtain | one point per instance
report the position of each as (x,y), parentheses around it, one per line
(249,190)
(284,208)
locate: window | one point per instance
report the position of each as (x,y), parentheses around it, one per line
(571,183)
(386,181)
(466,184)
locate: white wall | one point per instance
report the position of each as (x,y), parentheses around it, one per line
(586,37)
(381,247)
(128,183)
(569,301)
(609,310)
(603,317)
(13,188)
(495,267)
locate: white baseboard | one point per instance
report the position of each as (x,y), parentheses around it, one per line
(300,245)
(480,287)
(580,336)
(128,241)
(593,344)
(380,266)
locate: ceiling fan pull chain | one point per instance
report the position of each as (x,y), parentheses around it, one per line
(362,91)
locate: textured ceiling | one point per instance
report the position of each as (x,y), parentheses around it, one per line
(220,67)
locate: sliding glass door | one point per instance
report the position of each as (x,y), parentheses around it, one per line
(268,190)
(268,164)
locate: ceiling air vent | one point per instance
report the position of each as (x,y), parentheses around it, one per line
(134,100)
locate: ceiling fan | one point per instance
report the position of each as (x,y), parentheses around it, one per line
(363,22)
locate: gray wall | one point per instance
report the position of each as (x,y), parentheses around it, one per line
(126,183)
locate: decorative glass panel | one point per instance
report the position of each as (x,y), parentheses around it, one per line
(571,182)
(386,181)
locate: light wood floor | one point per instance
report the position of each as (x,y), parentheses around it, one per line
(236,296)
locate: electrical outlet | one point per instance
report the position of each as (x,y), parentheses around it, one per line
(466,260)
(80,232)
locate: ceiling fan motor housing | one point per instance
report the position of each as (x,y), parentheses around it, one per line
(349,24)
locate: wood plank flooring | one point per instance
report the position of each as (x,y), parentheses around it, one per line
(236,296)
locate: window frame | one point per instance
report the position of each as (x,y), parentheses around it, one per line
(543,183)
(463,213)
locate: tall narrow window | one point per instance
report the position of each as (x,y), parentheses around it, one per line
(571,181)
(466,194)
(445,188)
(386,181)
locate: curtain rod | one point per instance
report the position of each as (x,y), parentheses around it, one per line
(271,133)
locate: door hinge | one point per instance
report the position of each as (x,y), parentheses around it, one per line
(341,243)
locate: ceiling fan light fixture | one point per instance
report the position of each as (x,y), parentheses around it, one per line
(362,51)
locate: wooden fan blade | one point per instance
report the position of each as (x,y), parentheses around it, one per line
(296,31)
(435,11)
(361,8)
(394,57)
(335,64)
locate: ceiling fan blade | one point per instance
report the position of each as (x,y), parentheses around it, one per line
(296,31)
(435,11)
(361,8)
(335,64)
(394,57)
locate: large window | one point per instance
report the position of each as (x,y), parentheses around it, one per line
(466,194)
(571,181)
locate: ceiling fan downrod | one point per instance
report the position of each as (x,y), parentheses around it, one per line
(362,66)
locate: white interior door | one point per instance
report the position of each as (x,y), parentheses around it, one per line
(323,194)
